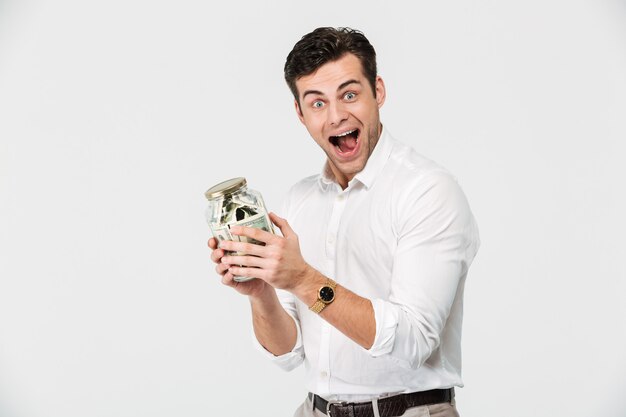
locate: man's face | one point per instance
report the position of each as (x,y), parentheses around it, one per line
(340,111)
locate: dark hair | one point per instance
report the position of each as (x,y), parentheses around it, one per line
(327,44)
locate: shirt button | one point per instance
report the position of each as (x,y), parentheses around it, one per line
(331,240)
(324,374)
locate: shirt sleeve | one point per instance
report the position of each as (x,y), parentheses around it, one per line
(437,241)
(293,359)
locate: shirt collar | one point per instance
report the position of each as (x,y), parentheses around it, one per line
(373,167)
(376,161)
(327,178)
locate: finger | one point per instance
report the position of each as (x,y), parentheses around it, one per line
(213,243)
(217,254)
(221,268)
(243,247)
(251,261)
(282,224)
(246,272)
(252,232)
(228,279)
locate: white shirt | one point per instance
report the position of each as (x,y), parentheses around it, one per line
(402,235)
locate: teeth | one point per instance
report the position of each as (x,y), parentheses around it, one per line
(346,133)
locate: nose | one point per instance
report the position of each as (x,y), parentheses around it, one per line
(336,114)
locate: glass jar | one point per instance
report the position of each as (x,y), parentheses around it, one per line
(232,203)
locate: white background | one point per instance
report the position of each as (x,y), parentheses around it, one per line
(116,116)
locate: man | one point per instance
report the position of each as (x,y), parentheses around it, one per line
(370,289)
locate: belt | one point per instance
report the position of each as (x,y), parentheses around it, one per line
(387,407)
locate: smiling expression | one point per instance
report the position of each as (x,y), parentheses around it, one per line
(339,109)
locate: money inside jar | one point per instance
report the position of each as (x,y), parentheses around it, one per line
(232,203)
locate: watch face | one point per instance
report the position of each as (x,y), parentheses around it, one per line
(327,294)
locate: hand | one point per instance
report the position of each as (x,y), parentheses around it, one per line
(252,288)
(279,263)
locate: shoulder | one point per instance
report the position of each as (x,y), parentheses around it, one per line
(411,171)
(303,187)
(298,194)
(421,188)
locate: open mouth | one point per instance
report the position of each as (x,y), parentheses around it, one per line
(346,142)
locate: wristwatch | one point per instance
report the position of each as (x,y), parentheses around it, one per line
(325,296)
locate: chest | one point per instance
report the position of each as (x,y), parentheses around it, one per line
(349,231)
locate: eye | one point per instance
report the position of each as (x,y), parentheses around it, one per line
(350,95)
(318,104)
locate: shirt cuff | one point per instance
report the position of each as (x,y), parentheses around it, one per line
(286,361)
(387,317)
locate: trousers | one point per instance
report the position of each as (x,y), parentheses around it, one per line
(435,410)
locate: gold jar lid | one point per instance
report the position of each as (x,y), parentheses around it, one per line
(226,187)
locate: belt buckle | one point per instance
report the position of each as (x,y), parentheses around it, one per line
(331,403)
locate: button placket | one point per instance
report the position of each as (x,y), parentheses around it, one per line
(324,358)
(339,205)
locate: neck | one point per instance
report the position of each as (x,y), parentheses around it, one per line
(341,179)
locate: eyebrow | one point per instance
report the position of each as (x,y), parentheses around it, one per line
(341,86)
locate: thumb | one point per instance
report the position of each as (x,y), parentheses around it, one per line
(282,224)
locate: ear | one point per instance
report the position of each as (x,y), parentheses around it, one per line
(381,93)
(298,111)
